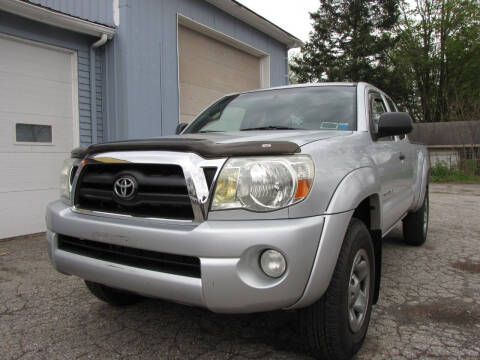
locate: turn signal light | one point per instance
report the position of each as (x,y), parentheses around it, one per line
(303,188)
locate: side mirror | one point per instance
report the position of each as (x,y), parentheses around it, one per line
(180,128)
(394,123)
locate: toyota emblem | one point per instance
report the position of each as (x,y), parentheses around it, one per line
(125,187)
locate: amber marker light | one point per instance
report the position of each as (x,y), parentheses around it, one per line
(303,188)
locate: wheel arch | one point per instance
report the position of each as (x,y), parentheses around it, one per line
(368,211)
(355,187)
(358,194)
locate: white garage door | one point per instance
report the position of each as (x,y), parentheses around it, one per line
(37,127)
(209,69)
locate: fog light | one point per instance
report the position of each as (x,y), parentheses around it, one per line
(273,263)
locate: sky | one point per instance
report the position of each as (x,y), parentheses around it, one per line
(291,16)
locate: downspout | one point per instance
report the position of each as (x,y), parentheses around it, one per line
(93,86)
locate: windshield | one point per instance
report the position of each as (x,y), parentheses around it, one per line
(308,108)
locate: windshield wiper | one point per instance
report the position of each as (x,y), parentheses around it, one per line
(276,127)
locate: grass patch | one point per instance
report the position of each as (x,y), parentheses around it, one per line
(441,172)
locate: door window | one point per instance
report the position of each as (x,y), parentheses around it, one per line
(376,108)
(391,105)
(394,108)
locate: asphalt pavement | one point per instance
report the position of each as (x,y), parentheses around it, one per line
(429,305)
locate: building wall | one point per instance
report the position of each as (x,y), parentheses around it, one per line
(142,67)
(32,30)
(99,11)
(138,67)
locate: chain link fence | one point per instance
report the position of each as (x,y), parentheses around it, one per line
(465,160)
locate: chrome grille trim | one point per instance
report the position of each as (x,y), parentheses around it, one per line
(191,164)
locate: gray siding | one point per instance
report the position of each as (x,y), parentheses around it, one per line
(27,29)
(100,81)
(142,71)
(99,11)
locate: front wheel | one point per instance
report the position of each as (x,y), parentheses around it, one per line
(336,325)
(415,225)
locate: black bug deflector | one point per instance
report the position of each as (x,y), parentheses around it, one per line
(203,147)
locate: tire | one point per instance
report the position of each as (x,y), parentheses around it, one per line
(415,225)
(112,296)
(326,324)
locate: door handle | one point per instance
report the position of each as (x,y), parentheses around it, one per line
(401,156)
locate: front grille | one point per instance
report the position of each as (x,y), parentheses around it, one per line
(144,259)
(162,190)
(209,173)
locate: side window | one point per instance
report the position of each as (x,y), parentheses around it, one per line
(394,108)
(376,108)
(391,105)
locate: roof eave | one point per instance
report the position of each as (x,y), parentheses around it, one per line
(257,21)
(55,18)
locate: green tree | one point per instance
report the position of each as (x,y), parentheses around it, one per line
(426,57)
(292,76)
(348,41)
(437,50)
(462,57)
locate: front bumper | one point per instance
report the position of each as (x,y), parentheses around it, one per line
(231,279)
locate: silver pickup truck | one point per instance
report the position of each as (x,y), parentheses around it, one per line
(270,199)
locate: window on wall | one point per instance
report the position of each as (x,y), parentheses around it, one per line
(33,133)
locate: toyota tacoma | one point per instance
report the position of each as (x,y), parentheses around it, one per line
(270,199)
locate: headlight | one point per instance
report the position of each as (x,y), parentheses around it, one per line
(67,174)
(263,183)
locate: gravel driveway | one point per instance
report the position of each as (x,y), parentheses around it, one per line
(429,305)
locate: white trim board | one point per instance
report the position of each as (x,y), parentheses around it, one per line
(241,12)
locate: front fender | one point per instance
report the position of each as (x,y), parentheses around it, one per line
(356,186)
(334,230)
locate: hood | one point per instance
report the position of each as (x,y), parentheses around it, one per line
(299,137)
(214,145)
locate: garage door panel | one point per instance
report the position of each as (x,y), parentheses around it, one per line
(36,88)
(210,69)
(190,43)
(44,96)
(196,46)
(25,213)
(218,76)
(235,59)
(49,64)
(201,64)
(30,171)
(197,98)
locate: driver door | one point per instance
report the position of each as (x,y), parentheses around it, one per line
(388,157)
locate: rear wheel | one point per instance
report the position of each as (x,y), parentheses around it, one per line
(415,225)
(336,325)
(112,296)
